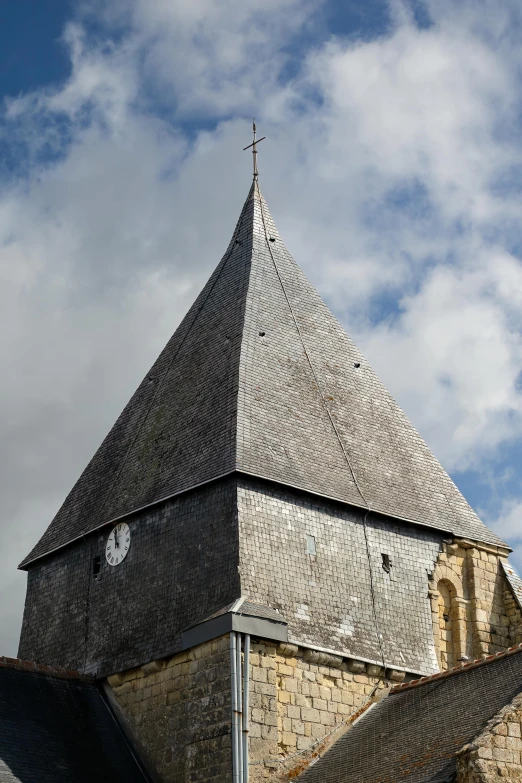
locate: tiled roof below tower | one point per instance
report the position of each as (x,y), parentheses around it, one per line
(416,733)
(55,727)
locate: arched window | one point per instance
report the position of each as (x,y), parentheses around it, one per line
(448,630)
(450,612)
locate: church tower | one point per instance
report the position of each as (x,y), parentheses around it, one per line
(263,541)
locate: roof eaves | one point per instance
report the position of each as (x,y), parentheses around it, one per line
(456,670)
(38,668)
(443,528)
(335,499)
(113,520)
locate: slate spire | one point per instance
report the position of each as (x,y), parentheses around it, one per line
(260,378)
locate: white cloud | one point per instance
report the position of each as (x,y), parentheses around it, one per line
(210,58)
(410,125)
(509,524)
(455,358)
(381,168)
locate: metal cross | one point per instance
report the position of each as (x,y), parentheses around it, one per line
(254,148)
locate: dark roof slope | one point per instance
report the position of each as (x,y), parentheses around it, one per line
(413,735)
(57,727)
(260,377)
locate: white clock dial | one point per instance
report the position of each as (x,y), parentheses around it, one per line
(118,544)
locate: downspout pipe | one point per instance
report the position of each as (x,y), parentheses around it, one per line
(235,726)
(239,701)
(246,696)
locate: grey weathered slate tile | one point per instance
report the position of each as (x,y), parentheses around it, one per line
(261,378)
(415,734)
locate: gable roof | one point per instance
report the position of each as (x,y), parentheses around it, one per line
(261,378)
(514,581)
(414,734)
(242,606)
(55,726)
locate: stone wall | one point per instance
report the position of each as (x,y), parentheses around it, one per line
(473,608)
(181,566)
(496,754)
(513,614)
(305,556)
(301,700)
(180,710)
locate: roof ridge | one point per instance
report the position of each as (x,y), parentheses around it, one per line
(40,668)
(456,670)
(317,383)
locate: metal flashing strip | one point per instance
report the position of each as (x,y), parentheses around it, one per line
(259,626)
(376,510)
(235,606)
(134,746)
(242,623)
(363,714)
(25,563)
(264,629)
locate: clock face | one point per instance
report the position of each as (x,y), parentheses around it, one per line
(118,544)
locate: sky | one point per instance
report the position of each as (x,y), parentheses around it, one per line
(392,166)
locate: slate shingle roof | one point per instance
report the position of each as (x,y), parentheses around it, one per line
(58,729)
(245,607)
(259,610)
(515,582)
(261,378)
(413,735)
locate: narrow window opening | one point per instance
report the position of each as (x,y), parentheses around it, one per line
(310,545)
(96,566)
(386,562)
(448,630)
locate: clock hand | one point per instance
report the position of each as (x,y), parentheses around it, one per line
(116,543)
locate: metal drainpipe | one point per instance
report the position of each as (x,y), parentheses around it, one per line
(246,689)
(233,687)
(239,709)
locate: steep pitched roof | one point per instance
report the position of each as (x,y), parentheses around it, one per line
(414,734)
(55,726)
(261,378)
(515,582)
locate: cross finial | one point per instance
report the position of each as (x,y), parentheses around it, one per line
(254,148)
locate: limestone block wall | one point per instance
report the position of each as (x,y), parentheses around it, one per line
(180,711)
(514,616)
(301,701)
(473,609)
(496,754)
